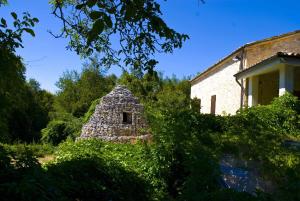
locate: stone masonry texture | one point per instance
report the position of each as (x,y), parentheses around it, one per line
(261,51)
(118,117)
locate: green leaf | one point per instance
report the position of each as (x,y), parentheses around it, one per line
(108,21)
(80,6)
(19,39)
(3,22)
(15,23)
(14,15)
(97,29)
(111,10)
(35,19)
(95,15)
(129,12)
(91,3)
(30,31)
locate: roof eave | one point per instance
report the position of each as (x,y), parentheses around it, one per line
(278,58)
(197,77)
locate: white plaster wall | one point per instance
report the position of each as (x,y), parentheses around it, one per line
(222,84)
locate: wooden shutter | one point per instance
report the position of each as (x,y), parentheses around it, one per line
(213,104)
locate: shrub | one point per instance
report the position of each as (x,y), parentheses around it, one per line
(258,133)
(22,178)
(4,131)
(91,110)
(196,104)
(38,150)
(87,170)
(61,128)
(55,132)
(180,164)
(189,145)
(96,179)
(262,129)
(182,146)
(138,160)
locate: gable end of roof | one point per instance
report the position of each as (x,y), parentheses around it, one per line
(211,69)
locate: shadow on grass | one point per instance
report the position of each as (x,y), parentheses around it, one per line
(23,178)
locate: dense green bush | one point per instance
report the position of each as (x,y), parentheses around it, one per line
(139,159)
(78,90)
(190,144)
(196,104)
(182,143)
(55,132)
(181,163)
(91,110)
(21,176)
(63,126)
(24,107)
(38,150)
(258,133)
(87,170)
(96,179)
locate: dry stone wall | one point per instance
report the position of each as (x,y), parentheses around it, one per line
(118,117)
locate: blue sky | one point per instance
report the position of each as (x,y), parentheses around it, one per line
(216,28)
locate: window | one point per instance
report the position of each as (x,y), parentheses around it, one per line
(213,104)
(127,118)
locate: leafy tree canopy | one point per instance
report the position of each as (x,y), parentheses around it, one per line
(94,26)
(3,2)
(78,90)
(11,38)
(22,109)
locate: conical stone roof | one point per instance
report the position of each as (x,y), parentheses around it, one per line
(119,95)
(117,117)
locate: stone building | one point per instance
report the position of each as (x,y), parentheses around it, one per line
(253,74)
(117,117)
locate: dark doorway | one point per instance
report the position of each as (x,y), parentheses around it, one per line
(297,93)
(127,118)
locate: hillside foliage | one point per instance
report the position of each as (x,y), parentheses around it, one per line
(181,163)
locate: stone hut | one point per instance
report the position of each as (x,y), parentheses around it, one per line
(118,117)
